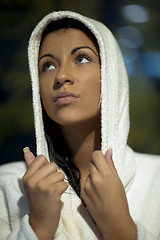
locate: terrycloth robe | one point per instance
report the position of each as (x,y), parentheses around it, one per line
(140,173)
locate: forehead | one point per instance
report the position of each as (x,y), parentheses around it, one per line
(67,36)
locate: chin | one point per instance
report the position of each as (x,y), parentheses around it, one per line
(79,121)
(73,117)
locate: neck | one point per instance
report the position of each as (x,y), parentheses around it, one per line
(82,140)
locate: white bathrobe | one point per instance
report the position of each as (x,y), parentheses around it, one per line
(140,173)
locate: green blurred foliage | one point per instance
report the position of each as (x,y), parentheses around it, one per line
(144,117)
(17,20)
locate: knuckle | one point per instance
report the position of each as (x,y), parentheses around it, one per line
(96,180)
(42,158)
(65,185)
(86,190)
(24,178)
(30,183)
(96,154)
(58,198)
(41,187)
(48,190)
(87,187)
(54,193)
(53,166)
(61,175)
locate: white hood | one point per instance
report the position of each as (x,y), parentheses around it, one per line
(114,93)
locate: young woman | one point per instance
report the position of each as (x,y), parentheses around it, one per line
(85,182)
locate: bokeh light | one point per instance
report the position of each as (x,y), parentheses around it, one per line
(135,13)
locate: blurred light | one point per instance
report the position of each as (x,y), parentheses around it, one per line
(129,66)
(129,37)
(126,43)
(151,61)
(129,55)
(135,13)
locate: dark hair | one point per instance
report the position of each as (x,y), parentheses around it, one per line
(67,23)
(57,146)
(59,152)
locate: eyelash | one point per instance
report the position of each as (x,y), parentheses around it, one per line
(48,63)
(84,55)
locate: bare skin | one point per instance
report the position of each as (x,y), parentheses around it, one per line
(87,141)
(44,187)
(101,187)
(104,190)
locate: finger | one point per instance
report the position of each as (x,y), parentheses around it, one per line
(86,189)
(47,172)
(62,187)
(55,178)
(85,197)
(89,189)
(99,160)
(36,164)
(87,193)
(108,157)
(109,160)
(92,169)
(28,156)
(56,189)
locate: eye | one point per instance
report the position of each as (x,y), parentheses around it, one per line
(48,66)
(83,58)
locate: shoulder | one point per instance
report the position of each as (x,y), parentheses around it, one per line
(145,186)
(14,169)
(147,160)
(148,167)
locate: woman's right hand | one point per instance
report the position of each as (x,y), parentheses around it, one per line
(44,186)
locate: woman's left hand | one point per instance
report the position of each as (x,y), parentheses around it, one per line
(105,198)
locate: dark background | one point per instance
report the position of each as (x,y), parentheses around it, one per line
(136,25)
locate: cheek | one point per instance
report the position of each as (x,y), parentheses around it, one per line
(46,82)
(88,86)
(45,94)
(93,87)
(49,108)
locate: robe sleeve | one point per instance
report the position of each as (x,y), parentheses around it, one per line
(23,231)
(143,233)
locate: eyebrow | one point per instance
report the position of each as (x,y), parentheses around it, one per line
(46,55)
(72,52)
(77,48)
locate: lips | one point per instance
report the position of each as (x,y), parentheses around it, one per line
(65,97)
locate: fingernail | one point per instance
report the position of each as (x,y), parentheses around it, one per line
(110,151)
(26,149)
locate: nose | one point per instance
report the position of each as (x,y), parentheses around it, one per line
(64,76)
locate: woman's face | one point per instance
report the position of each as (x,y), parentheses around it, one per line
(69,74)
